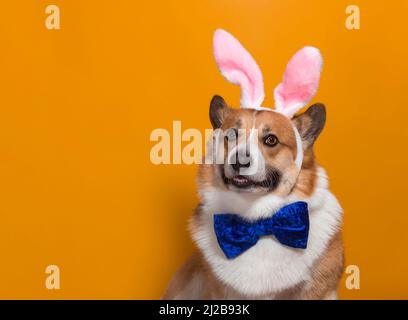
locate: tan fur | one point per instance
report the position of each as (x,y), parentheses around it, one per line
(307,177)
(326,271)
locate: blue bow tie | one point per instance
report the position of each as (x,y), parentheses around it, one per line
(289,225)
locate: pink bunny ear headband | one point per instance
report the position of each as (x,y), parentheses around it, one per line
(299,84)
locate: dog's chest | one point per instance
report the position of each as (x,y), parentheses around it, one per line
(265,268)
(268,267)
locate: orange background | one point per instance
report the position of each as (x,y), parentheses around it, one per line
(78,105)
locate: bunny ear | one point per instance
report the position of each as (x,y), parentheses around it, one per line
(300,81)
(238,67)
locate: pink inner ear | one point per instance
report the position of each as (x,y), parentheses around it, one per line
(300,81)
(238,67)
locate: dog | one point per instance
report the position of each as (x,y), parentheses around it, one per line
(274,171)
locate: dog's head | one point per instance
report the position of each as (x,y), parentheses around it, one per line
(257,149)
(260,150)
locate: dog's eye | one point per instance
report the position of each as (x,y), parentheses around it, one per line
(231,134)
(271,140)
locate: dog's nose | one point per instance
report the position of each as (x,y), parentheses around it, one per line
(241,163)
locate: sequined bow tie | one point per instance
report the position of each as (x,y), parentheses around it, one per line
(289,225)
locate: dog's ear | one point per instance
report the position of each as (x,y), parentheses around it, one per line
(218,111)
(310,124)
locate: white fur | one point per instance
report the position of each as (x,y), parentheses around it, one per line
(257,162)
(268,267)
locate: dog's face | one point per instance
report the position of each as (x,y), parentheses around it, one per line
(261,149)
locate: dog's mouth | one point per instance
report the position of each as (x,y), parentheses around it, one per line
(239,181)
(245,182)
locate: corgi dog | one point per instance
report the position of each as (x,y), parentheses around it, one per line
(267,225)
